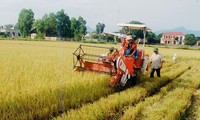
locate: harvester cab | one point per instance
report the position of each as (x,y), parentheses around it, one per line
(118,65)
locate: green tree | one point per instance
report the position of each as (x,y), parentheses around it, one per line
(94,36)
(25,21)
(8,26)
(40,26)
(63,24)
(159,36)
(51,25)
(2,34)
(136,22)
(47,26)
(78,27)
(152,38)
(74,27)
(137,33)
(190,39)
(198,38)
(100,28)
(82,28)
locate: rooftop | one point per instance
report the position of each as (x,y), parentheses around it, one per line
(173,33)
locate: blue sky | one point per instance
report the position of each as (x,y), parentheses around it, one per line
(157,14)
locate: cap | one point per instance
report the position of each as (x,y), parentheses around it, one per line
(155,49)
(112,48)
(129,37)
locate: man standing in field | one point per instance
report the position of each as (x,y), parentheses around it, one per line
(156,62)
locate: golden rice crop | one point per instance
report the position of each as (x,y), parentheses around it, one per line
(184,82)
(105,107)
(38,81)
(194,110)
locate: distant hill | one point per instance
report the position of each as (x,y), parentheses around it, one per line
(89,29)
(179,29)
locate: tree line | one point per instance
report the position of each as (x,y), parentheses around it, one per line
(53,24)
(59,24)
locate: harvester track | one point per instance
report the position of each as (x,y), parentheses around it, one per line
(192,113)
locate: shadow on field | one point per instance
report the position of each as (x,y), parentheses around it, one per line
(130,83)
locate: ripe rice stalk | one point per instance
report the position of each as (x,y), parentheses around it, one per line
(134,112)
(115,103)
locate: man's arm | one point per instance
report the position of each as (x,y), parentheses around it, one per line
(150,63)
(134,47)
(161,61)
(132,54)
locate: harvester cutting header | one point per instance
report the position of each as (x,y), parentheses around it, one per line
(123,64)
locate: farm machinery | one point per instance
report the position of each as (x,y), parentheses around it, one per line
(122,69)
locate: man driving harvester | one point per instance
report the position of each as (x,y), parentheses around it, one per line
(130,47)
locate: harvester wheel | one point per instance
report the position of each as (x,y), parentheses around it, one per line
(131,82)
(135,78)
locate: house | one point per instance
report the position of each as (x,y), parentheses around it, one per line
(33,33)
(10,31)
(198,43)
(173,38)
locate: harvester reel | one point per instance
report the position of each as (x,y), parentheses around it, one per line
(92,58)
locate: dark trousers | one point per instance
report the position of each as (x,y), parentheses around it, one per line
(157,71)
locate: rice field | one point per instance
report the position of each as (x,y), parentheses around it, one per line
(38,82)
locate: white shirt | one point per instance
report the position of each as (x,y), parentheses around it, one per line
(174,57)
(156,60)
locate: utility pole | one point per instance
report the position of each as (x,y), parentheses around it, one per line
(144,40)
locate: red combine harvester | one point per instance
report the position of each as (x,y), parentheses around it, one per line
(120,67)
